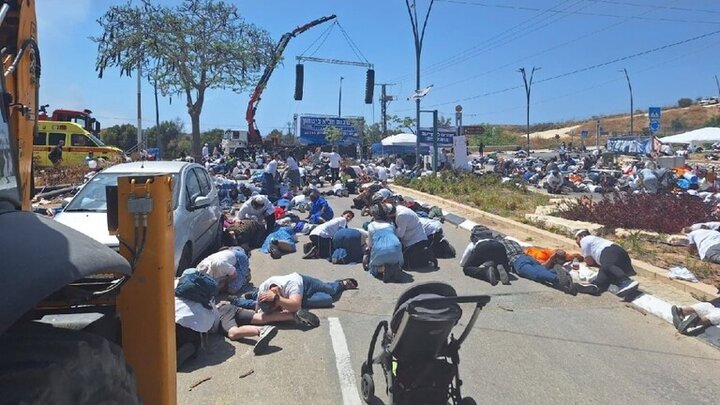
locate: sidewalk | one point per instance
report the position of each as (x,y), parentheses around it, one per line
(658,294)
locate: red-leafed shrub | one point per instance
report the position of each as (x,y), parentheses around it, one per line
(664,213)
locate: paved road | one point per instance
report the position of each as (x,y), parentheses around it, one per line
(532,344)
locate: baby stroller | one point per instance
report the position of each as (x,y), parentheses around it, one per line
(419,362)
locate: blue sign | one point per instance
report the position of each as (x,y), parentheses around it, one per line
(312,130)
(654,114)
(444,136)
(584,134)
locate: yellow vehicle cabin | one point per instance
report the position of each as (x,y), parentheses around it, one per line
(78,143)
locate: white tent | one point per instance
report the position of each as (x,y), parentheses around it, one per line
(399,140)
(702,135)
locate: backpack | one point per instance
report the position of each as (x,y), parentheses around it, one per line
(198,287)
(436,213)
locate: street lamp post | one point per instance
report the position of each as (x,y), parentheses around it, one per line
(717,82)
(418,35)
(340,98)
(528,87)
(627,77)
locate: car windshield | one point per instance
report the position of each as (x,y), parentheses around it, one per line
(91,197)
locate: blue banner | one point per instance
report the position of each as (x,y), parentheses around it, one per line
(312,130)
(444,136)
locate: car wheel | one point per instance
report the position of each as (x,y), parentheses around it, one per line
(218,241)
(43,364)
(185,259)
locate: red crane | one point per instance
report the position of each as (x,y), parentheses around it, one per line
(253,133)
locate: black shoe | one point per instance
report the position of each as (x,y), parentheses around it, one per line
(565,281)
(490,275)
(587,288)
(626,287)
(307,247)
(267,333)
(676,316)
(504,277)
(687,323)
(312,253)
(274,250)
(304,317)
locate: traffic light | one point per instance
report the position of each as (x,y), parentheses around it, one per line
(299,73)
(369,86)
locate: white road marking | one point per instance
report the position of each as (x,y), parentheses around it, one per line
(348,387)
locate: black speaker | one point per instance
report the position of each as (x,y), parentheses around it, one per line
(369,86)
(299,73)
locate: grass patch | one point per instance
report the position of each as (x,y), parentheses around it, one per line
(485,191)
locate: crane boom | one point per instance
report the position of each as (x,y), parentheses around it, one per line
(253,133)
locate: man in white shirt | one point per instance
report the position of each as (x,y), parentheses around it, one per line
(334,164)
(706,242)
(230,267)
(269,176)
(205,151)
(320,246)
(258,207)
(614,263)
(412,236)
(382,173)
(295,292)
(393,170)
(293,172)
(715,226)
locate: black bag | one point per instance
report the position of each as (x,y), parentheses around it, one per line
(443,249)
(198,287)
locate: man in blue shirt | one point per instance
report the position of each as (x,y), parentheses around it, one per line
(320,210)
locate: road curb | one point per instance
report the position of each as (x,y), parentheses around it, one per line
(646,302)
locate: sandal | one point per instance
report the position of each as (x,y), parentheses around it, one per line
(349,284)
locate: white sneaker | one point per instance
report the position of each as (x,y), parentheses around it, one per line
(627,286)
(267,333)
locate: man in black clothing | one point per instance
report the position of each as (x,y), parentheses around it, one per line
(55,155)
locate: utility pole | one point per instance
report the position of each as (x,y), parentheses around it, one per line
(384,100)
(419,35)
(597,134)
(627,77)
(340,98)
(718,86)
(528,87)
(139,109)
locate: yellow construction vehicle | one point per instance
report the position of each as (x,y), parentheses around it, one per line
(80,323)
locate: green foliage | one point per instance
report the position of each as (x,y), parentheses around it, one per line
(332,134)
(486,192)
(685,102)
(123,136)
(495,136)
(167,131)
(212,137)
(186,49)
(713,122)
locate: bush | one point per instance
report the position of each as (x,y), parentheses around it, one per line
(685,102)
(663,213)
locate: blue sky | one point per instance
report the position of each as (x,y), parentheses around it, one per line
(471,53)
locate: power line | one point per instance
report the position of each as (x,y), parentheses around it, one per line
(525,8)
(620,3)
(584,69)
(544,51)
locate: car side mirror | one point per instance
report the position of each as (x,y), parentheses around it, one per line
(200,201)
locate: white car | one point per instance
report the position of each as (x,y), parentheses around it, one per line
(197,213)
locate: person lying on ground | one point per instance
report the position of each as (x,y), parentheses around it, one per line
(412,236)
(527,267)
(484,257)
(706,242)
(230,267)
(614,263)
(700,314)
(247,233)
(320,210)
(258,208)
(295,293)
(550,257)
(715,226)
(280,242)
(320,245)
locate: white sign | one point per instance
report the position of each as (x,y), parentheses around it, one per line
(461,156)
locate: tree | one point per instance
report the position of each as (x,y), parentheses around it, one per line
(332,135)
(167,131)
(123,136)
(685,102)
(212,137)
(713,122)
(189,48)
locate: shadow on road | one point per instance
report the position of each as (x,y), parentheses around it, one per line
(216,351)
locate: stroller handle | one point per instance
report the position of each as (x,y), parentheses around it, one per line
(480,300)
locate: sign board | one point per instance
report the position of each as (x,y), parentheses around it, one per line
(584,134)
(473,130)
(444,136)
(311,130)
(460,160)
(654,114)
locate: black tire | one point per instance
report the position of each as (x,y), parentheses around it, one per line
(43,364)
(367,386)
(468,401)
(366,262)
(185,259)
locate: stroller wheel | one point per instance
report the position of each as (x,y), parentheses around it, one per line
(468,401)
(366,262)
(367,386)
(434,263)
